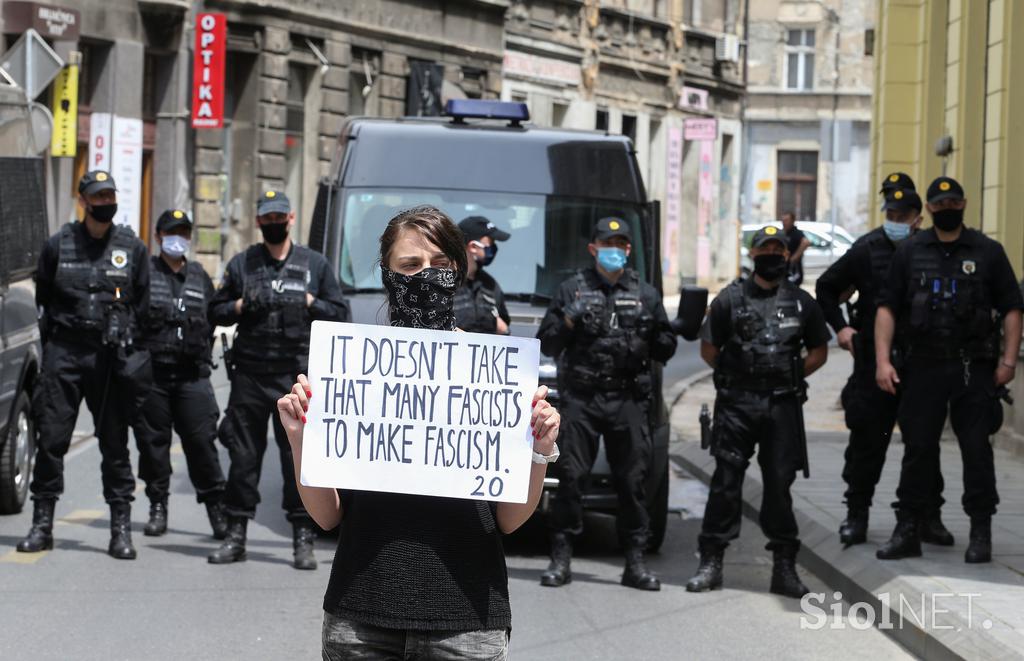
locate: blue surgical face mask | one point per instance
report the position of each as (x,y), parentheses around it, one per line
(175,246)
(611,259)
(896,231)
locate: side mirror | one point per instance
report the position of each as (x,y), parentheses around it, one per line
(693,303)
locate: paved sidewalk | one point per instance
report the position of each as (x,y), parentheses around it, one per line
(949,609)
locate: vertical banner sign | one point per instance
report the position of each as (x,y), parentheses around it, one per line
(126,169)
(673,192)
(705,202)
(415,411)
(208,72)
(99,140)
(64,140)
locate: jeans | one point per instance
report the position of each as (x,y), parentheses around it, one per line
(345,640)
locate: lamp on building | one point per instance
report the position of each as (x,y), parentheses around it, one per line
(943,148)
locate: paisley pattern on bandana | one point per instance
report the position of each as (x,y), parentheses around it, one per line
(422,300)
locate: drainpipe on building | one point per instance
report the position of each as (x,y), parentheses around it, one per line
(745,153)
(834,211)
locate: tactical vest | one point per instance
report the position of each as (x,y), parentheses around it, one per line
(281,330)
(880,252)
(476,308)
(91,287)
(613,346)
(177,329)
(952,314)
(765,341)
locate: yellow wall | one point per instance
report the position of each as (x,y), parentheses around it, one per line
(955,67)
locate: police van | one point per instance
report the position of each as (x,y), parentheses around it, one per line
(23,230)
(545,187)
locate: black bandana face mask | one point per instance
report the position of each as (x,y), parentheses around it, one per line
(422,300)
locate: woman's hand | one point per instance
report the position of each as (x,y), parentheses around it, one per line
(292,410)
(545,422)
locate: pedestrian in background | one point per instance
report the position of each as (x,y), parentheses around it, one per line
(950,294)
(796,243)
(178,334)
(273,291)
(417,572)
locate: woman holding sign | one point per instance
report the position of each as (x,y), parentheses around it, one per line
(418,572)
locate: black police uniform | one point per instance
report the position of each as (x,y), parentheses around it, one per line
(943,296)
(870,411)
(605,361)
(794,237)
(479,303)
(177,332)
(760,333)
(90,293)
(270,348)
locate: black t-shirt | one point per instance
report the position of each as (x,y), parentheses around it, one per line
(854,271)
(717,328)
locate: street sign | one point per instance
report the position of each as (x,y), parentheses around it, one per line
(208,72)
(700,128)
(64,141)
(31,63)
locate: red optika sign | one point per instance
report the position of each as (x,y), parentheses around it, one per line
(208,72)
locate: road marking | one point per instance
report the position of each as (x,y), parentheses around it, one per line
(81,517)
(176,449)
(14,557)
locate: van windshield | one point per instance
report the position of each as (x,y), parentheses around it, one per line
(548,243)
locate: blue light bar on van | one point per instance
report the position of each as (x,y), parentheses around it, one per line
(461,109)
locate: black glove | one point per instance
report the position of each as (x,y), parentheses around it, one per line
(575,310)
(254,302)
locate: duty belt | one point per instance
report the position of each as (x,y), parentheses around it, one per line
(602,382)
(76,336)
(754,383)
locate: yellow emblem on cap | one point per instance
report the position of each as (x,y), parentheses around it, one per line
(898,195)
(894,178)
(944,185)
(614,225)
(101,176)
(271,193)
(177,214)
(770,231)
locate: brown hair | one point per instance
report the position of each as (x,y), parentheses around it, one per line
(436,227)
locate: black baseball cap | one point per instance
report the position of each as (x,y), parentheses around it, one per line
(273,202)
(611,226)
(95,181)
(475,228)
(945,188)
(897,181)
(902,200)
(766,234)
(173,219)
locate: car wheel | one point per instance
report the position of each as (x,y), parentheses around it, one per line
(17,457)
(658,512)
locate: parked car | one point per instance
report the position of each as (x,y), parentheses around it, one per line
(547,187)
(23,230)
(825,247)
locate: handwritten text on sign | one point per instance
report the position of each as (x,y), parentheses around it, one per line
(421,412)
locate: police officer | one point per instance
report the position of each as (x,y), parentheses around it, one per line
(870,412)
(92,284)
(605,326)
(479,302)
(753,338)
(272,291)
(178,335)
(949,292)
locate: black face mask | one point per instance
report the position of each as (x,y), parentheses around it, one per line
(770,267)
(103,213)
(422,300)
(274,233)
(489,253)
(948,220)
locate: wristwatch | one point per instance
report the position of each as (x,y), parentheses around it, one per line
(538,458)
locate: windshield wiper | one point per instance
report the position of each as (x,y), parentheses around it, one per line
(532,298)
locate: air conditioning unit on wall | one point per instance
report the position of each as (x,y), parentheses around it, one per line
(727,48)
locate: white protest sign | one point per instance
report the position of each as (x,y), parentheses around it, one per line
(408,410)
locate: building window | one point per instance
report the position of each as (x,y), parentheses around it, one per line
(473,80)
(363,90)
(558,113)
(797,184)
(601,121)
(629,127)
(800,59)
(294,134)
(869,41)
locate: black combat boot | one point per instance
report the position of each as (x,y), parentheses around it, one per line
(40,535)
(157,524)
(636,574)
(121,532)
(303,536)
(218,518)
(558,572)
(785,580)
(233,548)
(854,530)
(904,542)
(932,531)
(979,549)
(709,573)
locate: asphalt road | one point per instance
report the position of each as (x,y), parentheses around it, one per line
(75,602)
